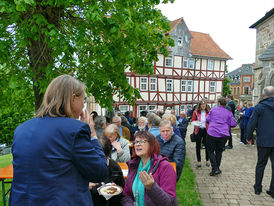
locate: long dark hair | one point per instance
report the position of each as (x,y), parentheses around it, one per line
(199,106)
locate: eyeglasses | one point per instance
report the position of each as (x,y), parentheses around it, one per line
(85,100)
(140,142)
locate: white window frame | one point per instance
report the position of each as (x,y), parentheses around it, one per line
(183,108)
(169,82)
(171,62)
(186,38)
(123,108)
(185,60)
(143,109)
(246,79)
(183,85)
(210,64)
(180,41)
(151,84)
(212,87)
(190,85)
(145,84)
(191,66)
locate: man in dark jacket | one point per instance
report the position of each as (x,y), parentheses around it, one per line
(231,107)
(262,120)
(172,146)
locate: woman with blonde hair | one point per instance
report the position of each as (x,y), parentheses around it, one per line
(120,146)
(54,154)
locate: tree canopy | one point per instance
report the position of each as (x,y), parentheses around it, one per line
(95,40)
(92,39)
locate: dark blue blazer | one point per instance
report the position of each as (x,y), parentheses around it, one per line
(54,160)
(262,120)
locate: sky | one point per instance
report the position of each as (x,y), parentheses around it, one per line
(226,21)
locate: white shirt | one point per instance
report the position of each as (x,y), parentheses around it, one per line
(203,119)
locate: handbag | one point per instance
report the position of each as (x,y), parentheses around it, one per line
(193,137)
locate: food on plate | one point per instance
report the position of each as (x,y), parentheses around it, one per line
(110,190)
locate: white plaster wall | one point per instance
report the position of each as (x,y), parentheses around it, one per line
(202,85)
(177,62)
(183,96)
(178,96)
(176,85)
(144,95)
(189,96)
(169,97)
(204,64)
(183,72)
(152,95)
(195,85)
(211,97)
(197,65)
(161,85)
(222,65)
(217,65)
(218,86)
(160,61)
(168,71)
(179,72)
(206,86)
(160,71)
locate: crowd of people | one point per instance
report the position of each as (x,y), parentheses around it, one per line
(59,160)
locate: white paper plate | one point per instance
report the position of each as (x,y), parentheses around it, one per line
(110,190)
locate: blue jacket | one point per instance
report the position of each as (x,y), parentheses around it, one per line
(54,160)
(262,120)
(247,114)
(175,150)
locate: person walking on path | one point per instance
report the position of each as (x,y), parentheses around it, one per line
(262,120)
(247,114)
(231,107)
(200,115)
(220,121)
(242,126)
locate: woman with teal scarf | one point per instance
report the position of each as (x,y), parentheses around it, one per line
(151,179)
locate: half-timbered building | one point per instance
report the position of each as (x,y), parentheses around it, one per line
(194,69)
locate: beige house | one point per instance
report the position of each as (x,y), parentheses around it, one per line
(264,62)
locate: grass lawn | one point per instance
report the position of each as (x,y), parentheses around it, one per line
(187,192)
(5,160)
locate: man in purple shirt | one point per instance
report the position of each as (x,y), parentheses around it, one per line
(220,121)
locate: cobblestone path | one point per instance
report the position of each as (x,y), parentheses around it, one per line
(235,185)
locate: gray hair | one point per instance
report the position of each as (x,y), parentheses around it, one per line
(154,120)
(268,91)
(117,117)
(142,117)
(99,122)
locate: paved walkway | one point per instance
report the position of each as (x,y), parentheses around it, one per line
(235,185)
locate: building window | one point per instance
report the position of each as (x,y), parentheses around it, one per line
(238,91)
(210,64)
(212,86)
(191,63)
(123,108)
(180,41)
(142,108)
(143,84)
(186,38)
(151,108)
(168,62)
(189,85)
(128,80)
(185,62)
(246,79)
(246,90)
(169,85)
(152,84)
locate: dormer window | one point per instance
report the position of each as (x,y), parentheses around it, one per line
(180,41)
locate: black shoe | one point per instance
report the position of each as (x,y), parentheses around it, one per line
(228,147)
(257,192)
(215,172)
(270,193)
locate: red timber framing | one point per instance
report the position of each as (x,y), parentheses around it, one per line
(159,98)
